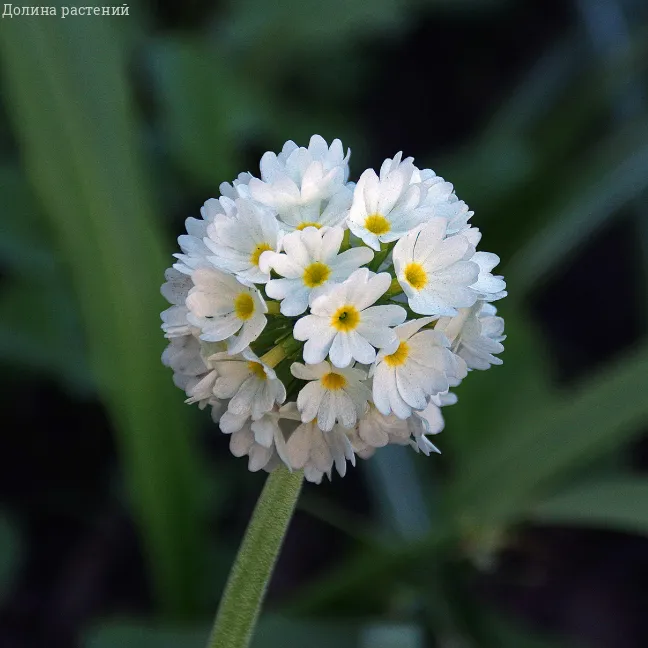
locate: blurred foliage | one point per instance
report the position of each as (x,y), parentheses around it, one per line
(83,249)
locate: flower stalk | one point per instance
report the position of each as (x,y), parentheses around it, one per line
(240,605)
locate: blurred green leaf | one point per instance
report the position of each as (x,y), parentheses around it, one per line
(537,452)
(272,631)
(9,553)
(616,174)
(40,330)
(619,503)
(133,635)
(508,634)
(274,31)
(485,406)
(203,108)
(24,245)
(71,113)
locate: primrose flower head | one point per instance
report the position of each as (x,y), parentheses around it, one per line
(321,320)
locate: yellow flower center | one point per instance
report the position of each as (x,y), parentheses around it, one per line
(333,381)
(399,356)
(257,369)
(345,318)
(316,274)
(258,251)
(377,224)
(244,306)
(415,275)
(302,226)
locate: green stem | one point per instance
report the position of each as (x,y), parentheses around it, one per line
(241,602)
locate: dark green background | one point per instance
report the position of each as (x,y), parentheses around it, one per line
(121,508)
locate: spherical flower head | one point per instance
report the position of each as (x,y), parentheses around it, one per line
(306,186)
(237,240)
(419,368)
(311,262)
(291,231)
(220,306)
(476,335)
(386,207)
(332,395)
(344,325)
(435,272)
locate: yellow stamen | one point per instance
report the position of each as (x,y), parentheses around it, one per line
(399,356)
(415,275)
(257,370)
(258,251)
(345,318)
(316,274)
(377,224)
(244,306)
(333,381)
(302,226)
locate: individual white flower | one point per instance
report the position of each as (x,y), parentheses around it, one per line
(221,306)
(385,207)
(488,286)
(237,241)
(417,427)
(476,335)
(264,440)
(344,325)
(194,251)
(310,264)
(175,291)
(332,395)
(305,186)
(192,372)
(429,421)
(242,442)
(315,451)
(441,198)
(183,356)
(436,272)
(275,426)
(378,430)
(419,368)
(252,386)
(431,417)
(238,188)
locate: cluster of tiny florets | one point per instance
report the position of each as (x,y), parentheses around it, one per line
(321,319)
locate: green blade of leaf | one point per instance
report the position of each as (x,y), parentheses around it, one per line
(619,503)
(615,176)
(563,433)
(71,114)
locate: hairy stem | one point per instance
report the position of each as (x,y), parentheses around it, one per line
(241,603)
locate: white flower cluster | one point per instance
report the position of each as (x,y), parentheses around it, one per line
(322,319)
